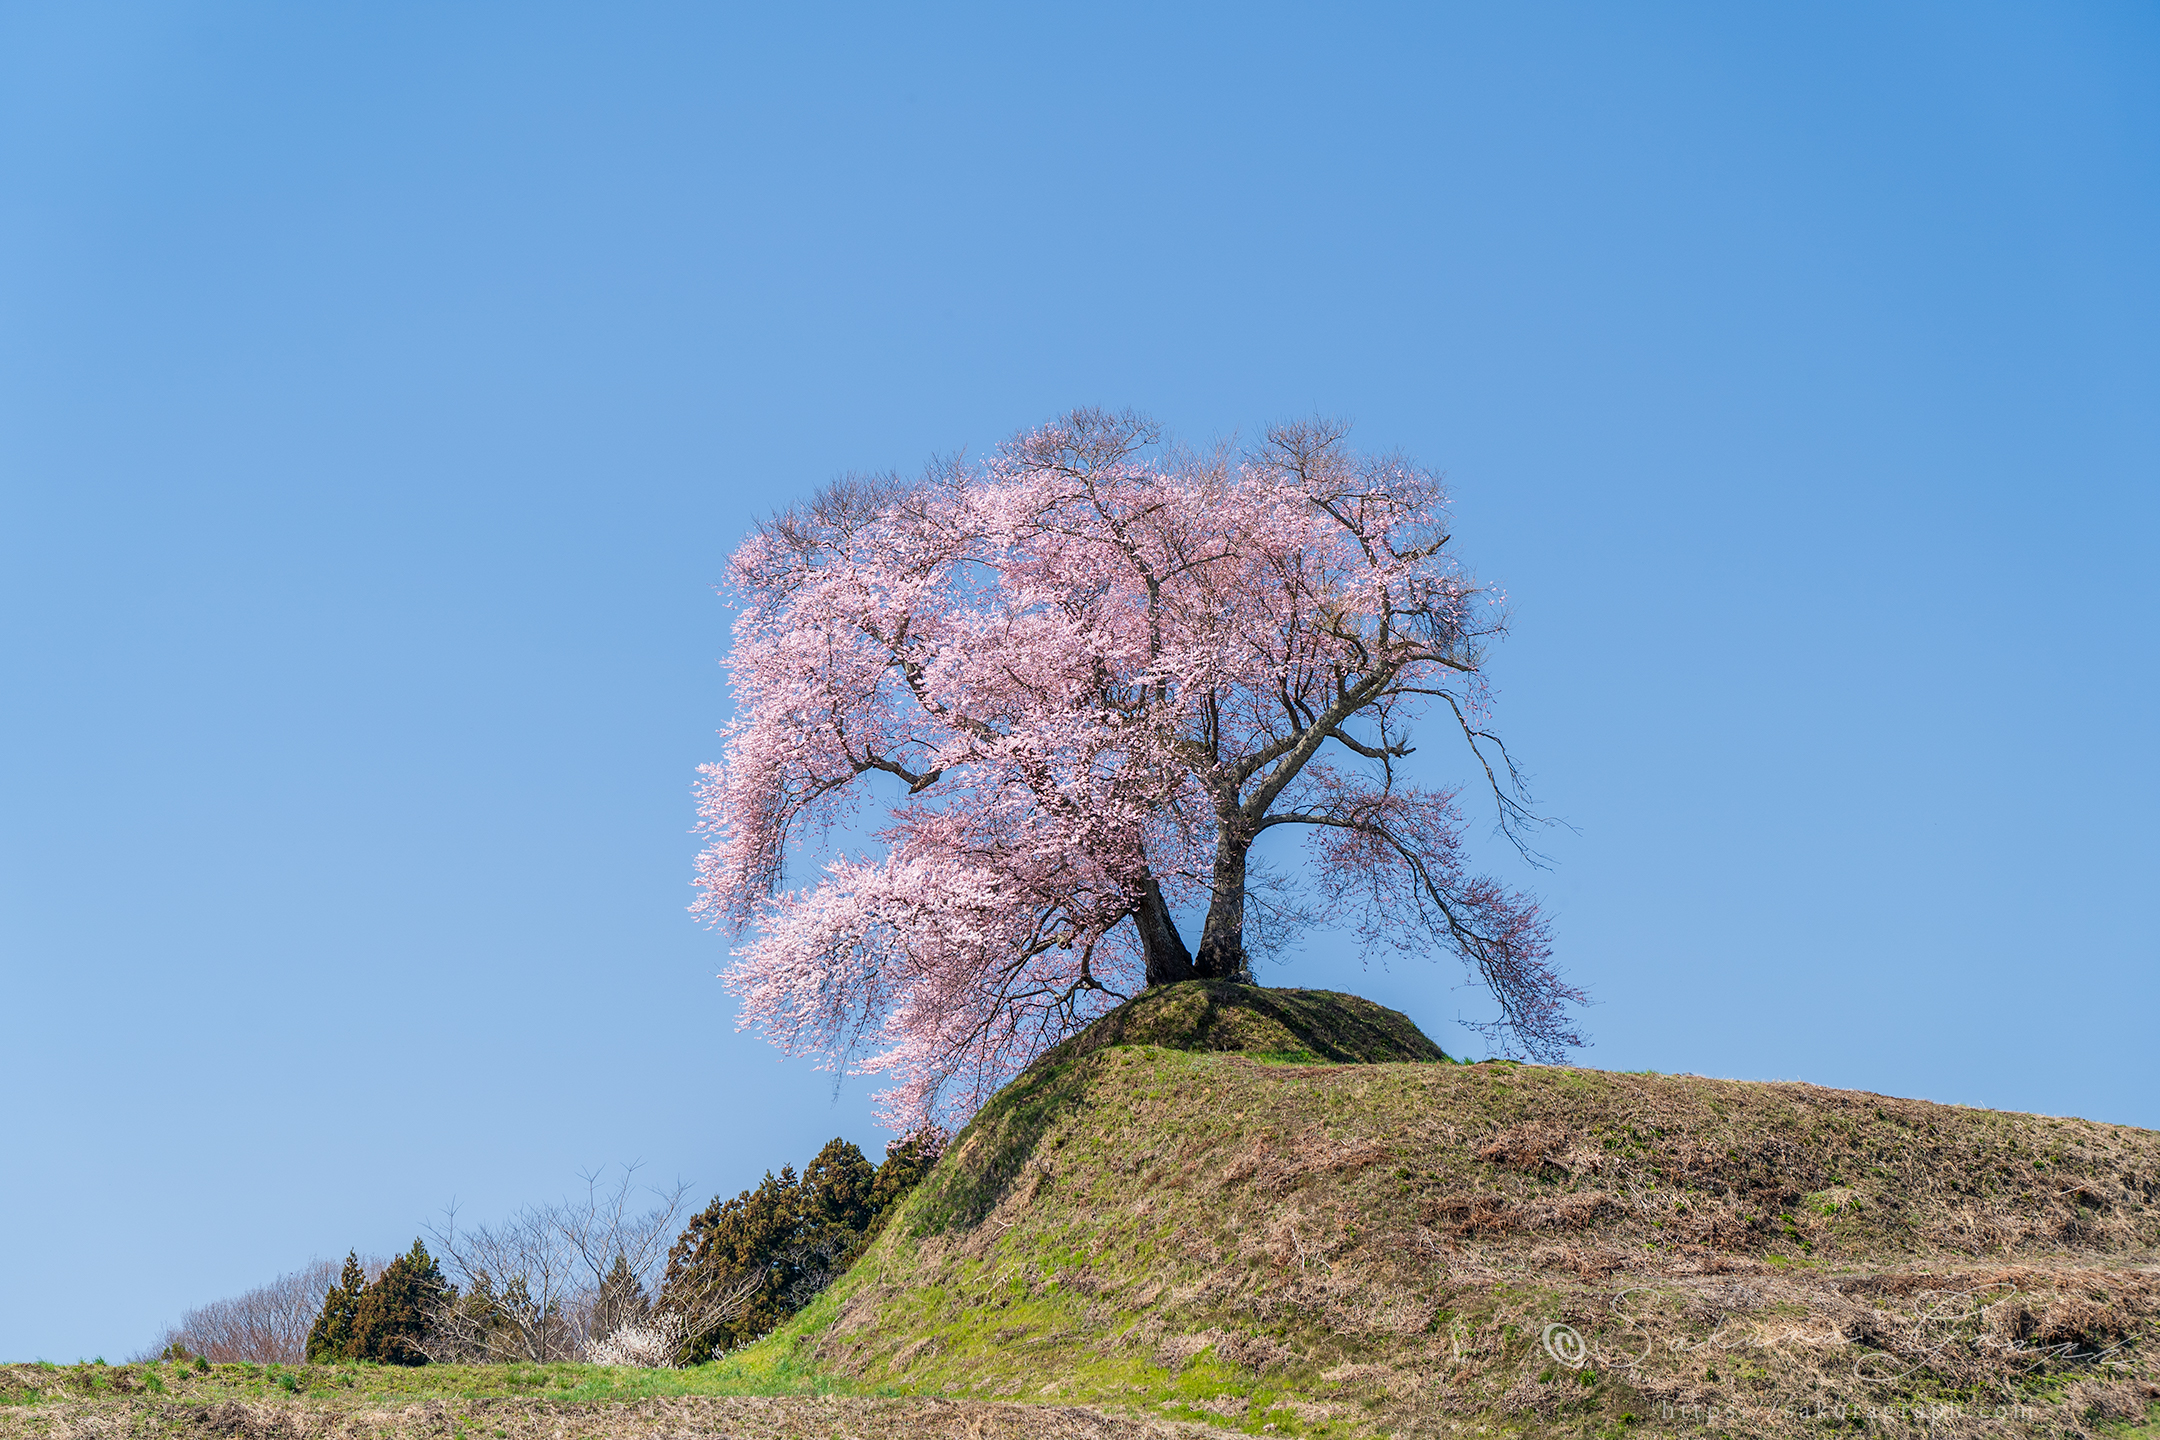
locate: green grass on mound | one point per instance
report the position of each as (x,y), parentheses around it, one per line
(1209,1016)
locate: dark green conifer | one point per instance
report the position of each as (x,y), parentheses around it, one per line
(392,1314)
(791,1237)
(746,1235)
(906,1162)
(837,1186)
(332,1334)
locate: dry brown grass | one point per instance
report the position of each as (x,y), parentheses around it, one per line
(735,1417)
(122,1407)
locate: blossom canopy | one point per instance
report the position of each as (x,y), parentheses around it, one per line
(1094,671)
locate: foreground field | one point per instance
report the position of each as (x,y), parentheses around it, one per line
(509,1402)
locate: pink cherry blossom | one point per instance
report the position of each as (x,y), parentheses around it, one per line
(1098,669)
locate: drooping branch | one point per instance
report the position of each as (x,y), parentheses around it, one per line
(1512,797)
(1398,848)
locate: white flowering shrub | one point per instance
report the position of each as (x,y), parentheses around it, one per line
(652,1343)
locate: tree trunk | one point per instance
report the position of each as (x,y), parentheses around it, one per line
(1222,938)
(1168,961)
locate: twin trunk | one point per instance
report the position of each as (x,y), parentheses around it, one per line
(1222,935)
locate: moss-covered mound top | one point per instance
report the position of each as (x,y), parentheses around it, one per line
(1310,1026)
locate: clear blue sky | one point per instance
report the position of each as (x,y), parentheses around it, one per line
(381,388)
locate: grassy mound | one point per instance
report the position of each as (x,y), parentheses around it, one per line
(1296,1026)
(1392,1248)
(1299,1027)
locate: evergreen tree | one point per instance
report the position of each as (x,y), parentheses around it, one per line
(392,1314)
(795,1235)
(837,1186)
(906,1162)
(330,1339)
(750,1233)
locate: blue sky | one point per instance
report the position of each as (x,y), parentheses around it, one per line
(381,389)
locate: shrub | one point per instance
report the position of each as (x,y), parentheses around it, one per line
(652,1343)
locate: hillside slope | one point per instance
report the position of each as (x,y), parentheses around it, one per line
(1381,1248)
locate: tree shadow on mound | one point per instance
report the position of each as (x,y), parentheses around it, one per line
(1314,1026)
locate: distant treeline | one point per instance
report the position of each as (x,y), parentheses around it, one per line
(266,1326)
(596,1279)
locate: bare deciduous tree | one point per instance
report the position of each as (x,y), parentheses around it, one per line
(264,1326)
(564,1281)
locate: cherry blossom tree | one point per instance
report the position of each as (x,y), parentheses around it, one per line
(1080,682)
